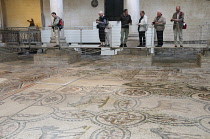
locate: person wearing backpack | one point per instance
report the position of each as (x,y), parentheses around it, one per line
(56,28)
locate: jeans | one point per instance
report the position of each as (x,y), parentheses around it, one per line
(57,36)
(178,32)
(124,35)
(160,38)
(142,38)
(102,34)
(107,34)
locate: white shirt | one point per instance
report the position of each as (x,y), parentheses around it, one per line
(178,15)
(144,24)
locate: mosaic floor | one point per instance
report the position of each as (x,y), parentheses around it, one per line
(92,100)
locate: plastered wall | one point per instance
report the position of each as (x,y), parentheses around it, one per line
(76,12)
(18,11)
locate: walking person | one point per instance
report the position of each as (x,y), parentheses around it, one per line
(55,27)
(142,28)
(178,19)
(159,24)
(101,27)
(125,22)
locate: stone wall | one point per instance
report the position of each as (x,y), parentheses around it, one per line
(81,13)
(56,57)
(177,57)
(196,13)
(132,59)
(1,15)
(172,58)
(6,55)
(76,12)
(205,61)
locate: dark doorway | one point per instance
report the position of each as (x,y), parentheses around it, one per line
(113,9)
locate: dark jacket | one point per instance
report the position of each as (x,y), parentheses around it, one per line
(125,20)
(56,22)
(180,20)
(102,23)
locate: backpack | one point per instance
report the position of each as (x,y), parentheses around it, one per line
(61,24)
(184,24)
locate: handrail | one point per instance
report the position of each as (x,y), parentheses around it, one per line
(111,25)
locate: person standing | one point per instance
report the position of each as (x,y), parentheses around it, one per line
(125,22)
(178,19)
(101,27)
(55,27)
(159,24)
(142,28)
(108,33)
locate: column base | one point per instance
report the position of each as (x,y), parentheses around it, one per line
(62,42)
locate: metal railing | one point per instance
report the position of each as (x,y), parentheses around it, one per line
(20,35)
(88,36)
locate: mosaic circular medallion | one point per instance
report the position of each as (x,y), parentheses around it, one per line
(204,123)
(71,90)
(9,129)
(33,113)
(199,88)
(207,108)
(154,85)
(72,115)
(111,133)
(171,93)
(133,92)
(127,104)
(202,97)
(53,99)
(119,118)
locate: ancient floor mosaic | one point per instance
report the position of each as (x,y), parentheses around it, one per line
(92,100)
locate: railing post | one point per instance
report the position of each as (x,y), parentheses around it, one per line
(110,37)
(19,37)
(59,39)
(208,36)
(80,37)
(29,37)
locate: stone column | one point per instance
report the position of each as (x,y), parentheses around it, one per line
(1,14)
(133,7)
(57,7)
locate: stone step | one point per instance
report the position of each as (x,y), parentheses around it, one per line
(139,51)
(177,51)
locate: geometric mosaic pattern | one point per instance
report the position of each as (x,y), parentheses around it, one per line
(88,100)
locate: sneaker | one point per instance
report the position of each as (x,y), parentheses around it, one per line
(125,45)
(175,45)
(121,45)
(181,45)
